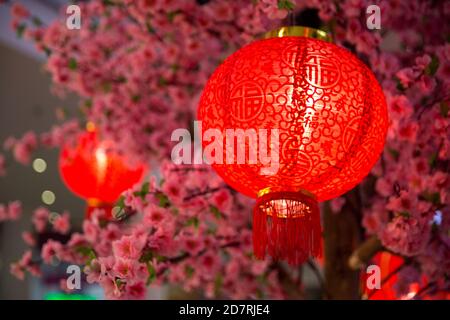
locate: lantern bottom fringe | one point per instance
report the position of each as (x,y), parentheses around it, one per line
(286,225)
(94,204)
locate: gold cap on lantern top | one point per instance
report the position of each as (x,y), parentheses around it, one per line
(299,31)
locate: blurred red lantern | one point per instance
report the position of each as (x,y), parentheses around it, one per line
(94,172)
(331,117)
(390,265)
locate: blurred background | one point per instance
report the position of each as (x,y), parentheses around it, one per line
(26,102)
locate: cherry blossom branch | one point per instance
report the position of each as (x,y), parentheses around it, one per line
(362,255)
(424,289)
(187,255)
(205,192)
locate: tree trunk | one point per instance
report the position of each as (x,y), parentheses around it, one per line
(342,235)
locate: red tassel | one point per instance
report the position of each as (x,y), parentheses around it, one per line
(286,225)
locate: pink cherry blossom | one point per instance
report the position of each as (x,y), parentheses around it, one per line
(50,250)
(61,223)
(174,191)
(40,219)
(91,230)
(406,76)
(128,247)
(400,106)
(17,270)
(222,200)
(423,61)
(93,271)
(14,210)
(19,11)
(154,216)
(136,291)
(26,258)
(24,147)
(221,11)
(209,265)
(192,245)
(29,238)
(125,268)
(272,10)
(406,235)
(408,131)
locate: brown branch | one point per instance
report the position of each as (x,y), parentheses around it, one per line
(188,169)
(187,255)
(424,289)
(362,255)
(204,192)
(342,234)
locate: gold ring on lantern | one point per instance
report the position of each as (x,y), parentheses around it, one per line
(269,200)
(299,31)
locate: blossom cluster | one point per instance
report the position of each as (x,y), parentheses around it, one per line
(411,209)
(190,230)
(12,211)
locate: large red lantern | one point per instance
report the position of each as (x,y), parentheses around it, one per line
(94,172)
(331,117)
